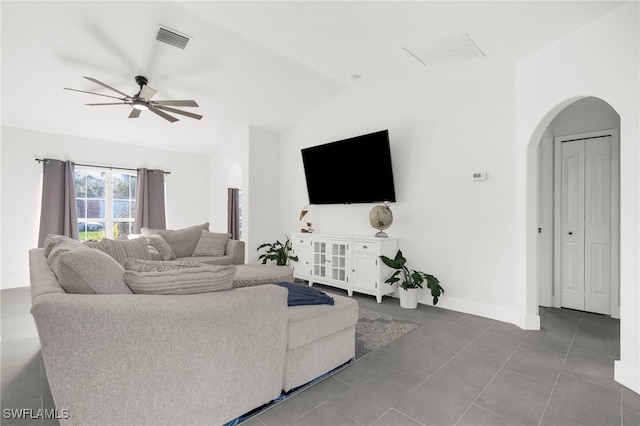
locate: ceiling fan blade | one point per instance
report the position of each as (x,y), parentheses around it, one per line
(177,103)
(107,86)
(109,103)
(163,114)
(177,111)
(147,92)
(93,93)
(135,113)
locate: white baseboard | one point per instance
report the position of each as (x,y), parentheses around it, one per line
(627,375)
(498,313)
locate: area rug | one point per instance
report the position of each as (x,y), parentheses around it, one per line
(374,330)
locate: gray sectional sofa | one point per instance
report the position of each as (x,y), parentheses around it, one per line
(206,358)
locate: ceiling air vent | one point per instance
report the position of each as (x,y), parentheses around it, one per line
(449,49)
(172,37)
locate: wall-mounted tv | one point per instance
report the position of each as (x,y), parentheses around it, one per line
(354,170)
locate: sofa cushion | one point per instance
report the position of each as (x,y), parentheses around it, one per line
(211,244)
(313,322)
(182,241)
(252,275)
(89,271)
(171,277)
(122,250)
(163,248)
(209,260)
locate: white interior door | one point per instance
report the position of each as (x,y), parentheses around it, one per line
(586,222)
(597,284)
(572,225)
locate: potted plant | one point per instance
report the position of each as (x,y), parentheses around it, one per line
(277,252)
(411,281)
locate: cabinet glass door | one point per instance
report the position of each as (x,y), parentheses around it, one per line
(319,258)
(339,261)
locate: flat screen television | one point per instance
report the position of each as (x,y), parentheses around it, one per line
(354,170)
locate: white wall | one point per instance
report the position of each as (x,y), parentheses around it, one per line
(248,159)
(443,127)
(602,60)
(187,187)
(262,202)
(229,167)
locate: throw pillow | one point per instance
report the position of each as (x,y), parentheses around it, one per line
(89,271)
(153,277)
(158,243)
(56,244)
(211,244)
(122,250)
(181,241)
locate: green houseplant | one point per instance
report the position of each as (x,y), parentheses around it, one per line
(277,252)
(410,280)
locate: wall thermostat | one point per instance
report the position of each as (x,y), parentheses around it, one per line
(479,176)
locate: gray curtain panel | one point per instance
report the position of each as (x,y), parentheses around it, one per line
(150,208)
(58,214)
(233,213)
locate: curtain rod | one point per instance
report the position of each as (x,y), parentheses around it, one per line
(40,160)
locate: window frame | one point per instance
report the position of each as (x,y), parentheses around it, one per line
(109,220)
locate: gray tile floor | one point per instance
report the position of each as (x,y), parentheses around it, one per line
(455,369)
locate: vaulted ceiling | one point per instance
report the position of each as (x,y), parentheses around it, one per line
(247,63)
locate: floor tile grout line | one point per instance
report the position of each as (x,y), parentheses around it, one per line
(490,381)
(490,411)
(401,412)
(334,408)
(564,360)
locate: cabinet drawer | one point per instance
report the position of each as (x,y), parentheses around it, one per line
(365,246)
(300,242)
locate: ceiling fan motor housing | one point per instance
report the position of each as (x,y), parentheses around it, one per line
(141,80)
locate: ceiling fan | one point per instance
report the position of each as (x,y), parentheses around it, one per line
(142,101)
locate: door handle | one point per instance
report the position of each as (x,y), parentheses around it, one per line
(570,233)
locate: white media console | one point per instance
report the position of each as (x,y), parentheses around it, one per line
(351,263)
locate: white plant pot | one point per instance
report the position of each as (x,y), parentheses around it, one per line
(408,298)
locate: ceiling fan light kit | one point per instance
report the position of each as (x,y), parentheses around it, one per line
(142,101)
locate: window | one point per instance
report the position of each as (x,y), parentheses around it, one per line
(106,203)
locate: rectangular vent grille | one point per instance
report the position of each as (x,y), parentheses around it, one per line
(449,49)
(173,38)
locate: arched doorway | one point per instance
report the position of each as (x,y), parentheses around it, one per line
(579,270)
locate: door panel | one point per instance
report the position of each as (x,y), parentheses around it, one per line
(598,225)
(572,225)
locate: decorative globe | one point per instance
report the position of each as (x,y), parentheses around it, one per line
(381,218)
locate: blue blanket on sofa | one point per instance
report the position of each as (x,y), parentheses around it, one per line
(304,295)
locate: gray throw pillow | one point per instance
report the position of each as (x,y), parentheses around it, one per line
(211,244)
(153,277)
(89,271)
(181,241)
(158,243)
(122,250)
(56,244)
